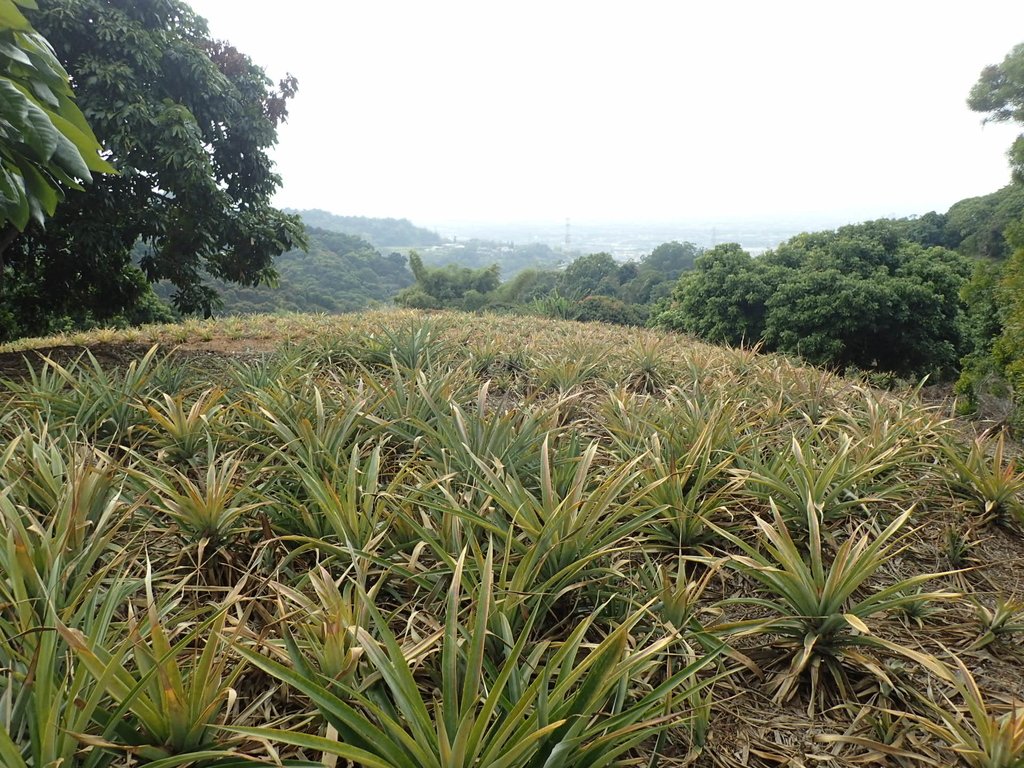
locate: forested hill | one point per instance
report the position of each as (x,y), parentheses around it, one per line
(340,273)
(381,233)
(977,226)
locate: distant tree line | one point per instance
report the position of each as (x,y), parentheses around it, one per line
(592,287)
(477,253)
(898,297)
(902,297)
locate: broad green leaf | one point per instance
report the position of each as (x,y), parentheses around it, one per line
(39,132)
(11,17)
(43,198)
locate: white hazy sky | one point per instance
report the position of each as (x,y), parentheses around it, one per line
(636,110)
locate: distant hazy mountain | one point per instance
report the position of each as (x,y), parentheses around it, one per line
(381,233)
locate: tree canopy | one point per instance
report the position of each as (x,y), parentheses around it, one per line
(187,121)
(999,93)
(862,296)
(670,260)
(721,300)
(595,274)
(976,226)
(449,287)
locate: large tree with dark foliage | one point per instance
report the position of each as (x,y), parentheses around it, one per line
(187,121)
(862,296)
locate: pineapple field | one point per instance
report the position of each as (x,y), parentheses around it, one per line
(407,540)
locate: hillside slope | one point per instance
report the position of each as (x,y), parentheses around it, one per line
(373,536)
(338,273)
(381,233)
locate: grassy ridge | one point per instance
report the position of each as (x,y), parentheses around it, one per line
(447,540)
